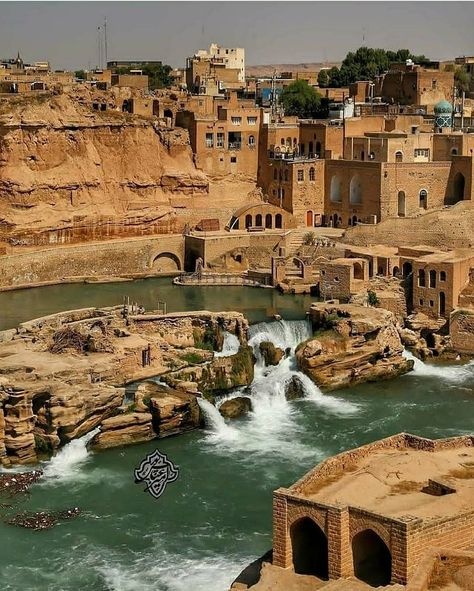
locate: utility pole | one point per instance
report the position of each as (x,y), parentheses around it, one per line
(105,41)
(99,47)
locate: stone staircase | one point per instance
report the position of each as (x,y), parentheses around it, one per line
(295,240)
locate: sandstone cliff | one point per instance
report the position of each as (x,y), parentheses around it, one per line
(352,344)
(65,169)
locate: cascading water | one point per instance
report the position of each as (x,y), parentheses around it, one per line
(66,464)
(273,424)
(230,346)
(451,373)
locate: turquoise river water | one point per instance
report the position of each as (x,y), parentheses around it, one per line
(216,517)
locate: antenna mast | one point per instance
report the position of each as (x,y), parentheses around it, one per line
(105,41)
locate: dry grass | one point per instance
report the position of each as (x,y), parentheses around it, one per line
(465,472)
(404,487)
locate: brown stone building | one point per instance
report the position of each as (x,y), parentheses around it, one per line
(373,512)
(411,84)
(224,141)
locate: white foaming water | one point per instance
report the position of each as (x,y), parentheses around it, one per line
(216,422)
(274,424)
(450,373)
(230,346)
(67,463)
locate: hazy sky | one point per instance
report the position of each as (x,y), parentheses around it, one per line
(65,33)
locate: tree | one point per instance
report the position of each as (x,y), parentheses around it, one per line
(300,99)
(323,78)
(462,79)
(366,63)
(158,75)
(80,74)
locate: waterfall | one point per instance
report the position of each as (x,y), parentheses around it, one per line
(451,373)
(273,424)
(215,422)
(230,346)
(66,464)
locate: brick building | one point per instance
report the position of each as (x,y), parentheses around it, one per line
(216,70)
(224,141)
(373,512)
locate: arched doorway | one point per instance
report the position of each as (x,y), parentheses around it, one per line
(166,262)
(268,220)
(355,190)
(407,269)
(395,271)
(310,548)
(309,219)
(442,303)
(401,204)
(335,190)
(372,559)
(278,221)
(354,220)
(358,271)
(459,184)
(335,220)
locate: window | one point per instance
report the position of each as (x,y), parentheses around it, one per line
(454,152)
(434,84)
(421,302)
(252,120)
(423,199)
(421,278)
(311,174)
(251,140)
(301,175)
(236,120)
(233,159)
(431,304)
(398,156)
(432,278)
(209,140)
(442,276)
(220,140)
(275,174)
(422,153)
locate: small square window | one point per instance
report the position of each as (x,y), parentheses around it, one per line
(431,303)
(233,159)
(421,302)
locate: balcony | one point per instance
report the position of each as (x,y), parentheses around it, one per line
(235,145)
(292,156)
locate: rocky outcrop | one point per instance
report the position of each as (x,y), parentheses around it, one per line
(235,407)
(124,429)
(272,355)
(221,374)
(352,344)
(426,336)
(62,376)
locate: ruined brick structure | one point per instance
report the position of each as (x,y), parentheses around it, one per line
(352,515)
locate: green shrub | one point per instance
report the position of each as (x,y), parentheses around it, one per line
(372,298)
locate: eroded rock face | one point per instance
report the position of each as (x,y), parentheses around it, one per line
(54,388)
(271,354)
(353,344)
(235,407)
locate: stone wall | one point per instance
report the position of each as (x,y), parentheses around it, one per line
(461,330)
(121,258)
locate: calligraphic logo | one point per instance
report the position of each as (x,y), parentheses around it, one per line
(156,471)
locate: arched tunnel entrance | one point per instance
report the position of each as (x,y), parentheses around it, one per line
(372,559)
(166,262)
(310,548)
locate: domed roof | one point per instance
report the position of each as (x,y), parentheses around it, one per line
(443,107)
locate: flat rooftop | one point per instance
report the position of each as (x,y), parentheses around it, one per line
(390,482)
(452,256)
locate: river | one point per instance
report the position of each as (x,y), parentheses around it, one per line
(216,517)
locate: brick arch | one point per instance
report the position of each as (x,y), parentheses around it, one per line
(359,525)
(319,518)
(168,260)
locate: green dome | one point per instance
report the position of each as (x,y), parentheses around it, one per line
(443,107)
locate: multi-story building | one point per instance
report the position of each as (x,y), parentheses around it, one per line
(411,84)
(224,140)
(215,71)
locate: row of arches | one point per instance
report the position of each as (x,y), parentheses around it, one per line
(355,190)
(271,221)
(372,560)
